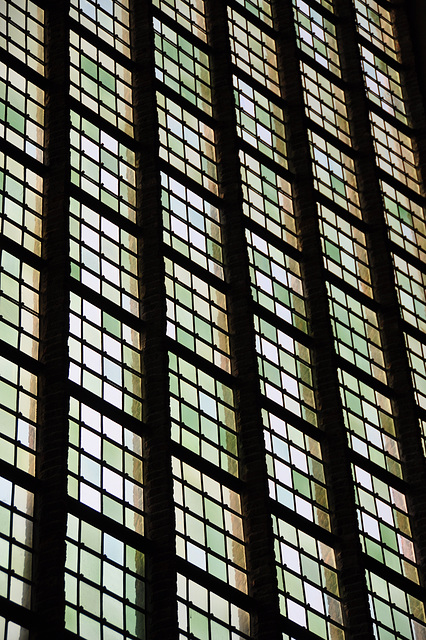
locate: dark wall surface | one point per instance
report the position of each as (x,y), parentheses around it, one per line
(416,10)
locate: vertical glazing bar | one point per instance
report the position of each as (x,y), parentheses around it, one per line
(410,20)
(160,520)
(50,504)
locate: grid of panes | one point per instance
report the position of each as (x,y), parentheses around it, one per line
(405,218)
(406,228)
(343,242)
(316,34)
(16,541)
(253,50)
(411,288)
(104,256)
(393,138)
(202,407)
(103,167)
(295,469)
(187,143)
(367,412)
(395,613)
(276,280)
(21,112)
(260,122)
(19,303)
(22,32)
(374,23)
(395,151)
(187,13)
(103,248)
(101,83)
(384,85)
(345,249)
(369,420)
(325,103)
(105,469)
(104,584)
(10,630)
(293,452)
(209,525)
(260,8)
(21,191)
(294,458)
(404,212)
(356,332)
(22,103)
(384,523)
(203,414)
(308,581)
(416,349)
(97,238)
(109,20)
(285,368)
(334,173)
(182,66)
(105,465)
(205,615)
(383,518)
(197,315)
(191,225)
(196,309)
(105,355)
(267,198)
